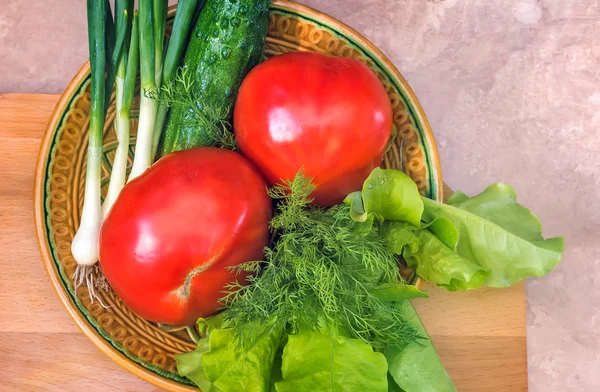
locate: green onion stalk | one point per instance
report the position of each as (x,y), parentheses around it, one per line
(125,90)
(149,33)
(184,17)
(159,18)
(85,244)
(116,37)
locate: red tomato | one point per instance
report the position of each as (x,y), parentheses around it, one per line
(329,115)
(166,242)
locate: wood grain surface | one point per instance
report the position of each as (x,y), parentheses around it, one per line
(480,335)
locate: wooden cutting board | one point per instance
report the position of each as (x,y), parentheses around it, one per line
(480,335)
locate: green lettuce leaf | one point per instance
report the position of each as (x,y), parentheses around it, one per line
(388,194)
(398,235)
(497,234)
(207,325)
(313,361)
(392,386)
(435,262)
(417,366)
(276,370)
(429,250)
(190,365)
(233,369)
(397,292)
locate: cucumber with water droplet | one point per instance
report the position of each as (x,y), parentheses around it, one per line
(226,43)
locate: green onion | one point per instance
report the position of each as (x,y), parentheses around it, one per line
(110,35)
(159,18)
(143,154)
(85,243)
(125,89)
(184,17)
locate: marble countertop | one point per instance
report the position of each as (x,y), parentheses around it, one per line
(512,91)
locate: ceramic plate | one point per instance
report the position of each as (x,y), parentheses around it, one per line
(136,344)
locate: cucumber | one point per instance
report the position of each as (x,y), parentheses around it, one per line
(227,41)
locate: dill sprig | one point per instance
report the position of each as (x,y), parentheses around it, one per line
(321,267)
(183,91)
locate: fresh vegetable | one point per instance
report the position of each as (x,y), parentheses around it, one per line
(227,41)
(337,363)
(114,58)
(186,11)
(330,285)
(433,259)
(488,239)
(326,264)
(230,369)
(417,367)
(317,302)
(167,242)
(328,115)
(498,234)
(191,365)
(124,91)
(388,195)
(118,33)
(151,23)
(159,22)
(85,243)
(322,266)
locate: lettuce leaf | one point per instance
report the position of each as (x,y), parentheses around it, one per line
(389,195)
(190,365)
(429,250)
(313,361)
(397,292)
(417,367)
(208,324)
(495,233)
(234,369)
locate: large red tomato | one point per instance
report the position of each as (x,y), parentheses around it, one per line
(166,242)
(329,115)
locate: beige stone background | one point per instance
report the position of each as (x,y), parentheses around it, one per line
(512,91)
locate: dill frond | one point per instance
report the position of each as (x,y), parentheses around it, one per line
(182,91)
(322,266)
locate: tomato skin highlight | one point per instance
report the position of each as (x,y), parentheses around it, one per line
(167,240)
(330,116)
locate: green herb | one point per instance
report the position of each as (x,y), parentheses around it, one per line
(322,265)
(182,91)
